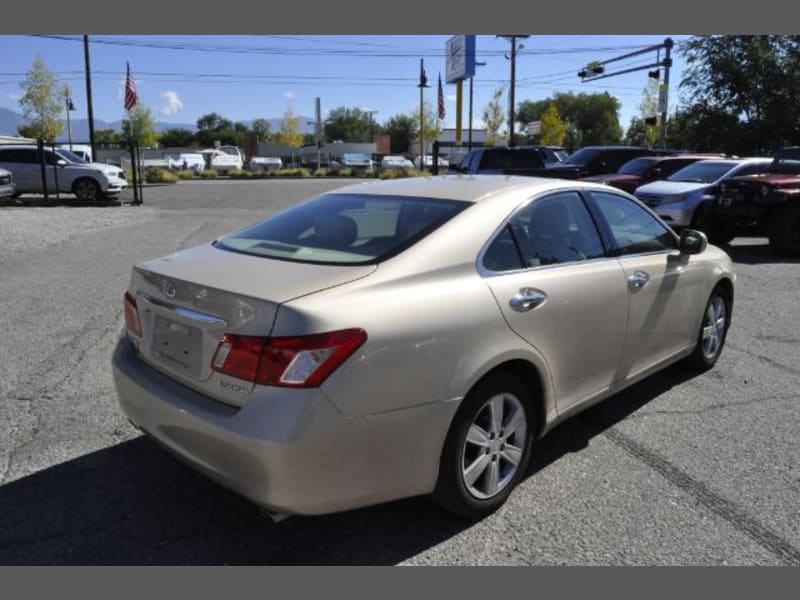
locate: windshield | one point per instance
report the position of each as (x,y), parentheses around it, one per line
(71,156)
(637,166)
(230,150)
(344,229)
(583,156)
(704,171)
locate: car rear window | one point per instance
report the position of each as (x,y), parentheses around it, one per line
(637,166)
(344,229)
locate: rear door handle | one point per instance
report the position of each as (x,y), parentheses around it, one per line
(638,280)
(527,299)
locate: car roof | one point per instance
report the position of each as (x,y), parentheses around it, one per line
(468,188)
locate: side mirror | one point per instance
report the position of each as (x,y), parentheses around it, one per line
(692,241)
(61,162)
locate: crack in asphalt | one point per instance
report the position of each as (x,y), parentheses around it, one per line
(727,510)
(766,359)
(712,407)
(39,374)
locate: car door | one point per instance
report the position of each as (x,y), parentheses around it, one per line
(663,285)
(561,293)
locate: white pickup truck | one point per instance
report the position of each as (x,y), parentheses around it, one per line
(224,158)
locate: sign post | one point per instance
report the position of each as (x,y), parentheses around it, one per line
(460,66)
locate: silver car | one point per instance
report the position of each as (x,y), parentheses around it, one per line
(410,337)
(63,170)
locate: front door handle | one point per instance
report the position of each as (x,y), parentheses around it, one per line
(527,299)
(638,280)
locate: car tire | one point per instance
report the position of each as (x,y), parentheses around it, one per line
(477,471)
(717,233)
(86,189)
(784,232)
(713,331)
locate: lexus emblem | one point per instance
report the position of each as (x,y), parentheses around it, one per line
(167,288)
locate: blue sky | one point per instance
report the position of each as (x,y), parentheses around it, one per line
(245,77)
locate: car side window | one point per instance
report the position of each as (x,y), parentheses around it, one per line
(635,230)
(494,160)
(551,230)
(755,169)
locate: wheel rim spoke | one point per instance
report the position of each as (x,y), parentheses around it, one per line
(516,421)
(478,436)
(496,414)
(493,478)
(476,469)
(512,454)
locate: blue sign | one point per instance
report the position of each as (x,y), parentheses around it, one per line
(460,58)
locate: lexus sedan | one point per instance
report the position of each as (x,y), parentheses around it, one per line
(410,337)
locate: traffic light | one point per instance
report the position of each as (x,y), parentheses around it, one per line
(582,73)
(651,121)
(598,69)
(656,74)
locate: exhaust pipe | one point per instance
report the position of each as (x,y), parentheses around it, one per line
(275,517)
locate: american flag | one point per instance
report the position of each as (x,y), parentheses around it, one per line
(441,99)
(131,97)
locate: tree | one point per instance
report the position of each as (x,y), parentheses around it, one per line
(290,130)
(107,137)
(41,102)
(177,138)
(590,118)
(349,125)
(554,130)
(494,117)
(400,129)
(261,127)
(752,79)
(141,126)
(212,127)
(432,127)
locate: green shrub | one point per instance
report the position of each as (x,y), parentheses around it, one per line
(185,174)
(345,172)
(302,172)
(320,172)
(159,176)
(208,174)
(369,173)
(239,174)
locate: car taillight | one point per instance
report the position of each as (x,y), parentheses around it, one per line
(132,315)
(304,361)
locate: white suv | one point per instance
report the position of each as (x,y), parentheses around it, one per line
(69,172)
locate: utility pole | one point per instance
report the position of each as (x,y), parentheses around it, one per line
(423,83)
(668,43)
(89,94)
(514,49)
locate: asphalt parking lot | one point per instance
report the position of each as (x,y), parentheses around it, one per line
(678,470)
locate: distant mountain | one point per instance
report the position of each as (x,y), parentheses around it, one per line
(10,120)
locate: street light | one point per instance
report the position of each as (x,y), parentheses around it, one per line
(469,137)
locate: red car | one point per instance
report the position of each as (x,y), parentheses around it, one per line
(645,169)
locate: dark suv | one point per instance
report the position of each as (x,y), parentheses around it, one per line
(764,204)
(600,160)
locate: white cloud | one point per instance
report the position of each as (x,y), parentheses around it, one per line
(14,97)
(288,94)
(451,97)
(170,103)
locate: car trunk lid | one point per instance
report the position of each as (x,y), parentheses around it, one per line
(187,301)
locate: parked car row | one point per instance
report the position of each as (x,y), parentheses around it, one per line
(8,189)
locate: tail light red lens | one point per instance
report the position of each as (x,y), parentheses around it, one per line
(304,361)
(132,315)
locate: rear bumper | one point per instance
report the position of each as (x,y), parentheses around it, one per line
(288,450)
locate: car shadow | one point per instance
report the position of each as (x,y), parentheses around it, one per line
(133,503)
(756,252)
(30,200)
